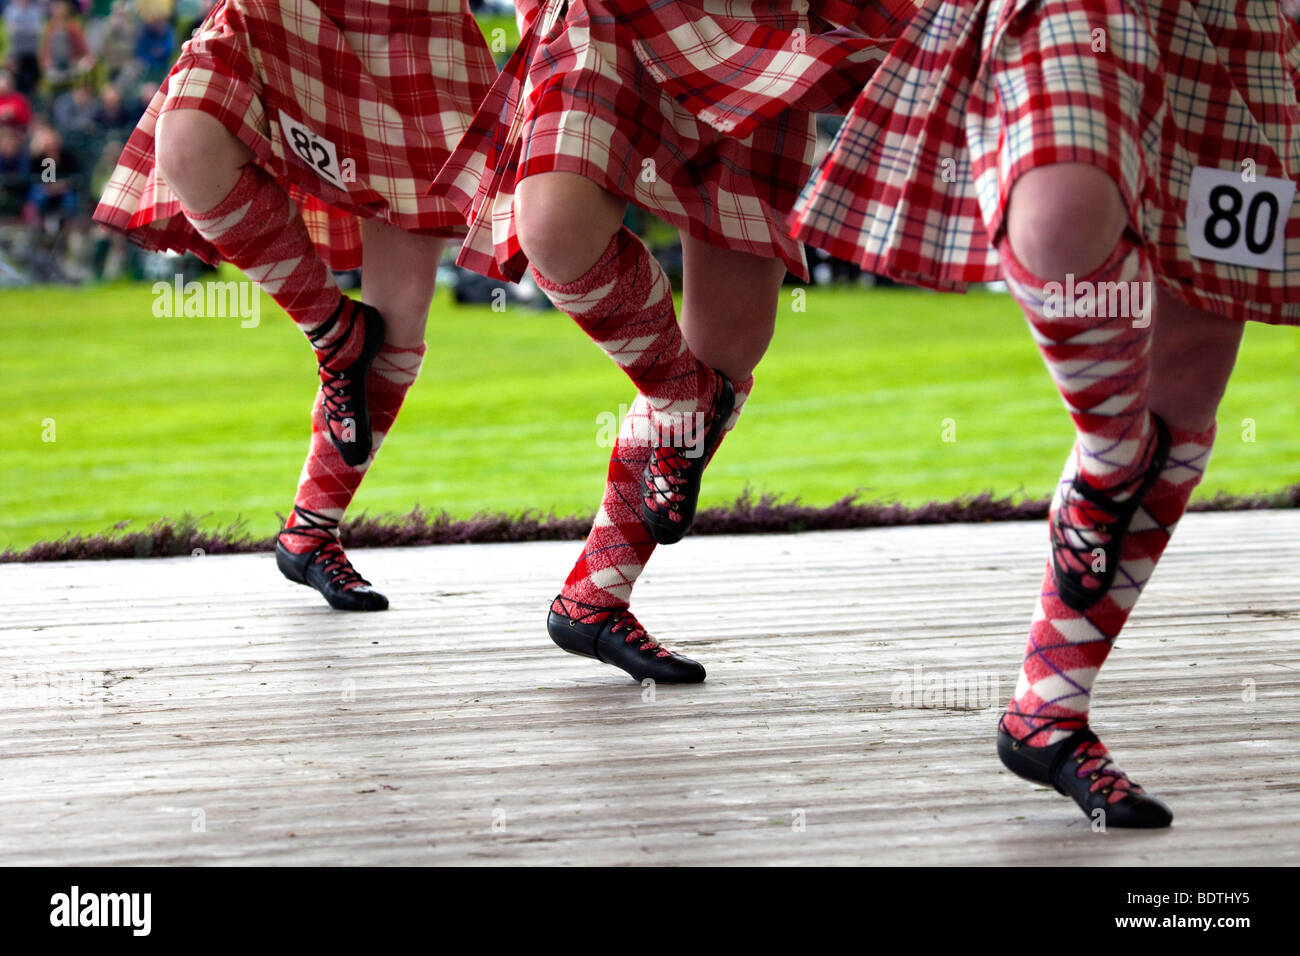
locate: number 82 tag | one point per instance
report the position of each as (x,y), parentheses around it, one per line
(1242,223)
(316,151)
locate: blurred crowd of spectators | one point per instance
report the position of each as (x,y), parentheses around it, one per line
(74,79)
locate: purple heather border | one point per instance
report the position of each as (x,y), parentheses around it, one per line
(747,515)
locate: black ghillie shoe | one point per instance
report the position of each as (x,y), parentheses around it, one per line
(326,567)
(1088,520)
(670,483)
(614,636)
(1081,768)
(343,389)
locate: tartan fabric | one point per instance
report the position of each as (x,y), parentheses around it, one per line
(525,13)
(973,94)
(624,302)
(391,85)
(736,74)
(257,229)
(619,545)
(1099,363)
(583,94)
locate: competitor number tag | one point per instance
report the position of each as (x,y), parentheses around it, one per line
(1243,223)
(316,151)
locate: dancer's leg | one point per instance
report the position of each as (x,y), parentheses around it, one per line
(605,278)
(398,275)
(728,315)
(729,306)
(1192,356)
(201,160)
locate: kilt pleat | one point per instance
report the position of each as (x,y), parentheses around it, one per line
(697,112)
(390,87)
(973,94)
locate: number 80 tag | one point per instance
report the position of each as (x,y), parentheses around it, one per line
(1243,223)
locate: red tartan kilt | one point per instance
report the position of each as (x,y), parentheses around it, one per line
(390,88)
(987,91)
(591,108)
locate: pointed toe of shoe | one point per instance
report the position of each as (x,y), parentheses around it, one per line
(356,599)
(1138,812)
(605,637)
(681,670)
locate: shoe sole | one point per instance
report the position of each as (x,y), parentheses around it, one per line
(345,607)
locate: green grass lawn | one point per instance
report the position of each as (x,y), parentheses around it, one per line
(159,417)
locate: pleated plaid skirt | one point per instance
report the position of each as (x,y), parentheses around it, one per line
(698,112)
(354,107)
(1191,107)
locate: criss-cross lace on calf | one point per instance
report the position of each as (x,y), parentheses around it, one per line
(670,482)
(343,386)
(1088,528)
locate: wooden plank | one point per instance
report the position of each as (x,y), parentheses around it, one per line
(202,710)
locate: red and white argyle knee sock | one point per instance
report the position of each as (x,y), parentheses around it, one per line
(1066,647)
(1098,361)
(328,483)
(619,545)
(257,229)
(625,303)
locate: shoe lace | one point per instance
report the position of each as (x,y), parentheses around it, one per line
(1079,527)
(336,395)
(668,470)
(637,634)
(336,567)
(1093,760)
(335,386)
(1088,518)
(328,555)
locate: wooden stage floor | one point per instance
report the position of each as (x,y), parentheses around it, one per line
(204,711)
